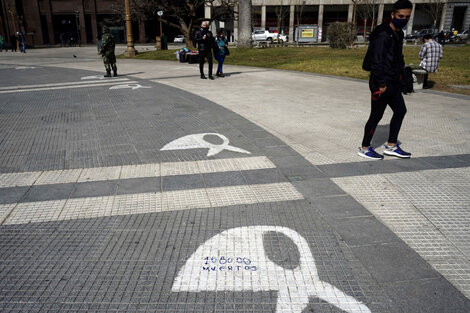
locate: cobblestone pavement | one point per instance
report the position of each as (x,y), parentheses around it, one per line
(128,194)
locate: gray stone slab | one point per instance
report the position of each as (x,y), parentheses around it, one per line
(428,296)
(296,166)
(318,187)
(139,185)
(342,169)
(182,182)
(264,176)
(213,180)
(447,161)
(49,192)
(393,262)
(11,195)
(364,230)
(341,206)
(94,189)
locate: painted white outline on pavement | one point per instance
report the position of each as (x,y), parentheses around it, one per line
(59,84)
(242,249)
(196,141)
(94,77)
(129,86)
(89,85)
(25,67)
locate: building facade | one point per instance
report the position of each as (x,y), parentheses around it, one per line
(72,21)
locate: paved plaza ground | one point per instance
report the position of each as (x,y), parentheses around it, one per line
(157,191)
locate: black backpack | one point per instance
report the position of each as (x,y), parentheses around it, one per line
(366,64)
(407,81)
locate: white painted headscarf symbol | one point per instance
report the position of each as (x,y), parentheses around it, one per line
(129,86)
(197,141)
(294,286)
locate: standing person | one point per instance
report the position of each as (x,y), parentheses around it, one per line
(107,52)
(441,37)
(386,66)
(22,42)
(13,42)
(205,42)
(430,55)
(220,52)
(2,42)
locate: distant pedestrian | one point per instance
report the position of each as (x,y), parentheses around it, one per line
(2,42)
(386,66)
(107,52)
(13,43)
(205,43)
(62,39)
(22,42)
(220,52)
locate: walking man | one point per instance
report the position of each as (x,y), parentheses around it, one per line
(386,67)
(430,55)
(107,52)
(205,43)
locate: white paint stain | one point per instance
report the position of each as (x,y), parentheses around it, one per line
(244,245)
(129,86)
(93,77)
(196,141)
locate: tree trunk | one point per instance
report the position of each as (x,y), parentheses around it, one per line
(244,24)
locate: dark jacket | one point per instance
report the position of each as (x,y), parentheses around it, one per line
(387,61)
(204,44)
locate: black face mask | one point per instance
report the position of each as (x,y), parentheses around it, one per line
(399,23)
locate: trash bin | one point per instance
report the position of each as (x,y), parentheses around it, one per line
(164,43)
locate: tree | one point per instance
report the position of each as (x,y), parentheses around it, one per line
(181,14)
(367,10)
(434,9)
(281,13)
(244,24)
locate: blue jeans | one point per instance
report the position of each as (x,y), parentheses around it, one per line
(220,59)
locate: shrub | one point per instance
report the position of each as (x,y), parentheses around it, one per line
(340,35)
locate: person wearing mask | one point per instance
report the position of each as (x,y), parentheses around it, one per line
(220,52)
(430,55)
(205,43)
(386,72)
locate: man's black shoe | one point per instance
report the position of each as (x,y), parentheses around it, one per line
(203,77)
(108,74)
(211,77)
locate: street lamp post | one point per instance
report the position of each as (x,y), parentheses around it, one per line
(130,52)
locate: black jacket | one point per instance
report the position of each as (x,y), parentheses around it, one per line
(387,61)
(204,44)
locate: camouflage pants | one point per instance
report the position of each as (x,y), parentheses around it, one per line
(110,62)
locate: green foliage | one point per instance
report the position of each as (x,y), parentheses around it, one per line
(340,35)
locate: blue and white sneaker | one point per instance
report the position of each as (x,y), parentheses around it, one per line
(370,153)
(396,151)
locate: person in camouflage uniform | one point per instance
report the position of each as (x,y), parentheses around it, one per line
(107,52)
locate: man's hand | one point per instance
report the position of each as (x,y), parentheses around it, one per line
(204,37)
(382,89)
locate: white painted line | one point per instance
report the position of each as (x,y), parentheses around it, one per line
(63,87)
(90,207)
(60,84)
(134,171)
(235,260)
(129,86)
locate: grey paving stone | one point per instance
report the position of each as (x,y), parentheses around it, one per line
(11,195)
(182,182)
(363,230)
(213,180)
(428,296)
(49,192)
(342,169)
(94,189)
(341,206)
(318,187)
(139,185)
(393,262)
(264,176)
(296,166)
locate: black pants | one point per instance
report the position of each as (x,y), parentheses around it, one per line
(205,55)
(393,97)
